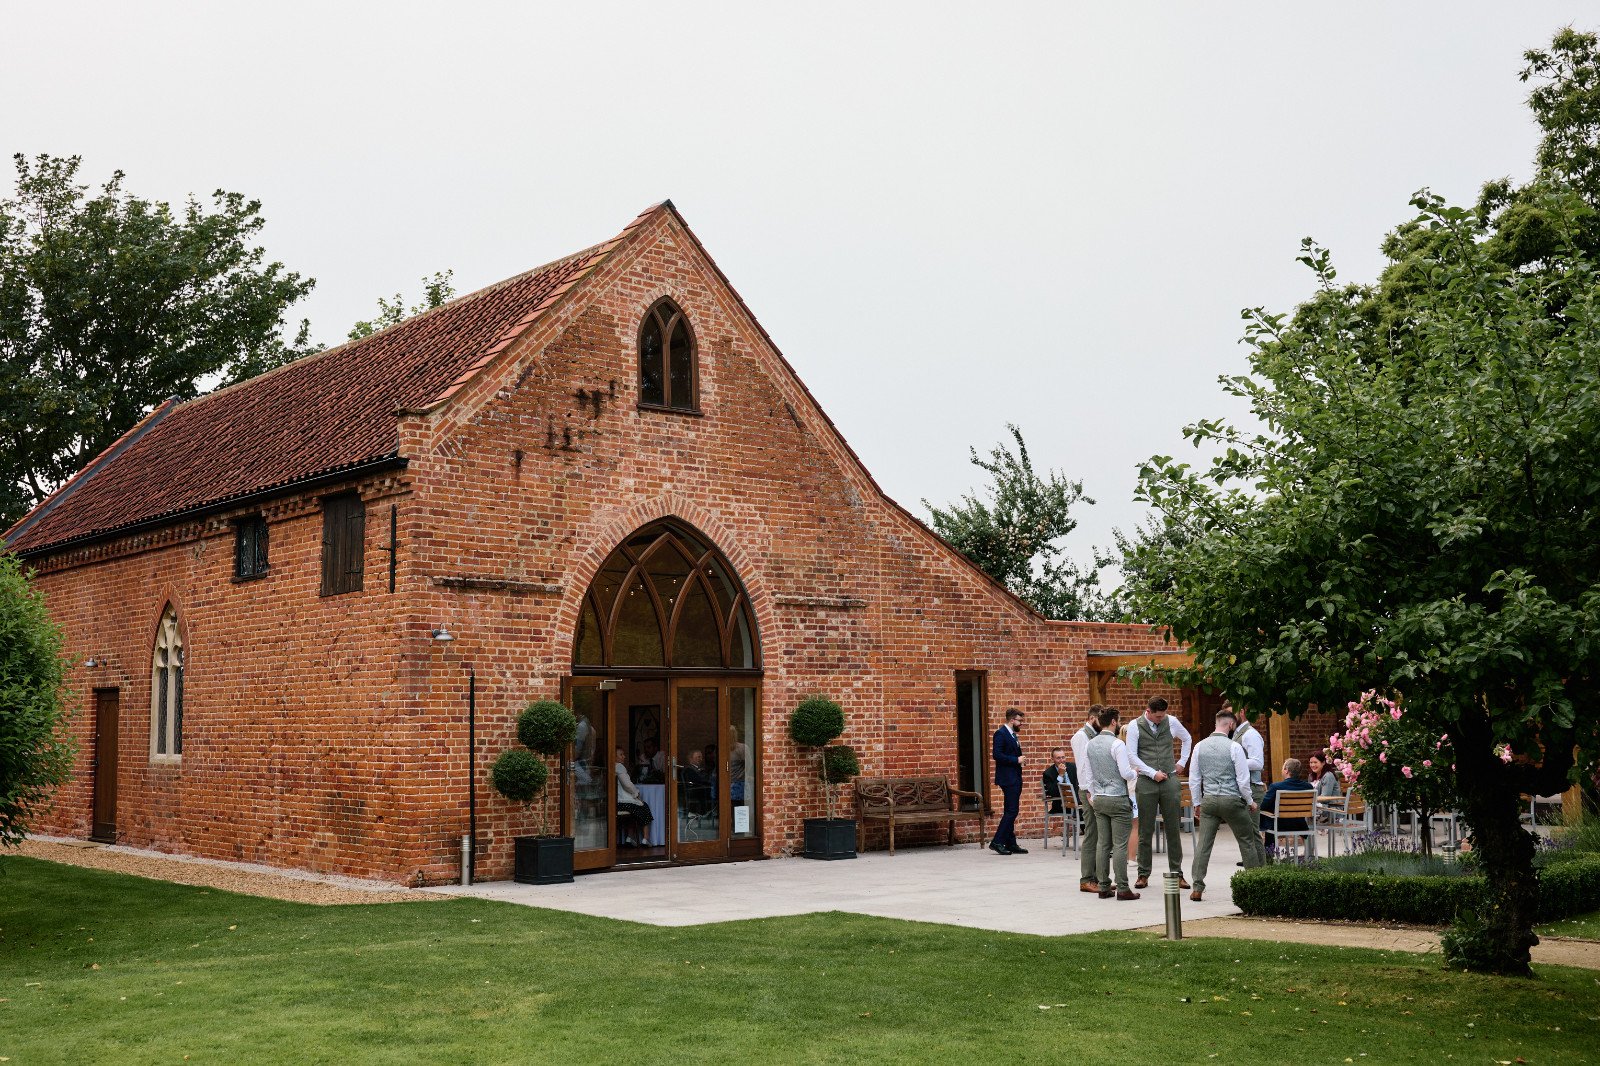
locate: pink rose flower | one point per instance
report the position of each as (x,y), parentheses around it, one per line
(1426,763)
(1406,770)
(1383,757)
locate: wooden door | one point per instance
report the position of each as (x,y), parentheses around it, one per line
(697,794)
(589,792)
(104,765)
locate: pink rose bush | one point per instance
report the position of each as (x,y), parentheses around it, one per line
(1392,757)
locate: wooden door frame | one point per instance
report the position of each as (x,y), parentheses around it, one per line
(105,829)
(591,858)
(699,850)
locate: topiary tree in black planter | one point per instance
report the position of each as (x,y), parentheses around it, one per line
(545,728)
(815,723)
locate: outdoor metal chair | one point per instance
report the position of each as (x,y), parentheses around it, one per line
(1292,804)
(1450,823)
(1346,816)
(1053,815)
(1535,802)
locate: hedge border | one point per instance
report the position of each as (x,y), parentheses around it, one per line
(1568,885)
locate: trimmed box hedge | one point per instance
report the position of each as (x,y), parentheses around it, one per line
(1568,884)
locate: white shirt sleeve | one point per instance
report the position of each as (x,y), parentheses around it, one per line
(1080,756)
(1241,772)
(1120,750)
(1254,751)
(1185,739)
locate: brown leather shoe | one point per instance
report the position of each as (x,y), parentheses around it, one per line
(1195,895)
(1125,894)
(1088,886)
(1183,882)
(1107,893)
(1143,882)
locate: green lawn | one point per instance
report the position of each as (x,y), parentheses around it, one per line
(97,967)
(1585,926)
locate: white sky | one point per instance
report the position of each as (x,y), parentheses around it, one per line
(1047,214)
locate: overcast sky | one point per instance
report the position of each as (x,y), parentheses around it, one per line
(1047,214)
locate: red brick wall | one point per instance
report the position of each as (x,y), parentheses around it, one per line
(331,733)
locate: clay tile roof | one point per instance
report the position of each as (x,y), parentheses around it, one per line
(325,413)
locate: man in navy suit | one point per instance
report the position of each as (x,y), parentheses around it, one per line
(1008,760)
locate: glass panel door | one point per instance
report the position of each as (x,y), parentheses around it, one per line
(590,790)
(700,772)
(743,755)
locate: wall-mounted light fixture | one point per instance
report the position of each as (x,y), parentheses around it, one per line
(443,635)
(92,662)
(607,686)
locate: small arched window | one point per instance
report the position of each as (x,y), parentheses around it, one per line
(667,374)
(166,689)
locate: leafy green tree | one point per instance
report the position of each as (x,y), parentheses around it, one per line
(110,304)
(436,291)
(1425,526)
(1017,535)
(35,754)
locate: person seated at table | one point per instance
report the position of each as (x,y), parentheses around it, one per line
(652,762)
(694,771)
(1324,778)
(1294,780)
(630,803)
(1059,768)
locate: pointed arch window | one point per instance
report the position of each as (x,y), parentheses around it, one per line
(166,689)
(668,366)
(666,599)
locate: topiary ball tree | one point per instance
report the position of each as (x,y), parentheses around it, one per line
(839,763)
(815,723)
(547,727)
(519,775)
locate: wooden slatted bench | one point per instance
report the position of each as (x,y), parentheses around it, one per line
(912,801)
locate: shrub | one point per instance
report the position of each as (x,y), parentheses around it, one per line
(1393,864)
(546,727)
(1569,883)
(35,751)
(816,721)
(839,763)
(1312,892)
(519,775)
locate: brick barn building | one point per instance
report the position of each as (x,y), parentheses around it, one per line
(291,599)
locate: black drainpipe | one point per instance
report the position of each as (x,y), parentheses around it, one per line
(472,772)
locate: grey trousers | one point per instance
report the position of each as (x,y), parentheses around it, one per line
(1090,841)
(1115,817)
(1214,810)
(1168,796)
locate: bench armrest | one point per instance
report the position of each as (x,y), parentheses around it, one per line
(962,792)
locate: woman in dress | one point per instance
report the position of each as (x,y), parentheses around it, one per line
(630,804)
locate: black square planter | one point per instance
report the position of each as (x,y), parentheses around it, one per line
(830,838)
(543,860)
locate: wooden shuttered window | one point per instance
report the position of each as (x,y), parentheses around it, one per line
(250,547)
(344,537)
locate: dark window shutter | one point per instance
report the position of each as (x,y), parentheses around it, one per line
(332,565)
(355,544)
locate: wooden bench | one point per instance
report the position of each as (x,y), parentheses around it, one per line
(912,801)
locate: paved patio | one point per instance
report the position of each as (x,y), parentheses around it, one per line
(969,886)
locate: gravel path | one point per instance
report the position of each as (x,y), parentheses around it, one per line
(247,878)
(1558,951)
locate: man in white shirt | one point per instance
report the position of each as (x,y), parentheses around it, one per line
(1149,738)
(1114,779)
(1091,832)
(1248,737)
(1219,782)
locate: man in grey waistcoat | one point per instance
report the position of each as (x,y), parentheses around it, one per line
(1114,778)
(1248,737)
(1149,739)
(1087,881)
(1219,782)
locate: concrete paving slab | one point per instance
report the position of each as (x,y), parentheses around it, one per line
(968,886)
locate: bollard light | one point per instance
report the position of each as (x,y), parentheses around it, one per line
(1169,889)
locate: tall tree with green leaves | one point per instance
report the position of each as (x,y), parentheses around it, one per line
(436,292)
(1421,513)
(35,753)
(1017,534)
(110,304)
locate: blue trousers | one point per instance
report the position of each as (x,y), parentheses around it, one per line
(1005,834)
